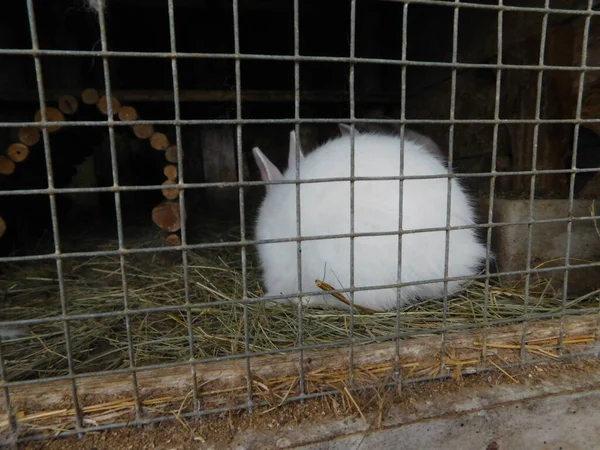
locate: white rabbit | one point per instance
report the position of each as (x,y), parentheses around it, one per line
(325,210)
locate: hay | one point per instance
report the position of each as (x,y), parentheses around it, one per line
(94,285)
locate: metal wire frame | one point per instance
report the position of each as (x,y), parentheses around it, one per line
(90,123)
(351,84)
(180,176)
(538,105)
(301,383)
(397,368)
(120,233)
(492,194)
(584,53)
(133,251)
(238,108)
(449,180)
(244,242)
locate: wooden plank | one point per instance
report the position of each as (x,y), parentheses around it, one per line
(477,40)
(223,383)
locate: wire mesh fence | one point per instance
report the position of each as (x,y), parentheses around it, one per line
(544,321)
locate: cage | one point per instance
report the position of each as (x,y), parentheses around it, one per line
(129,195)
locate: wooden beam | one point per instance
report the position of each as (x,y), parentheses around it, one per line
(211,96)
(223,384)
(217,145)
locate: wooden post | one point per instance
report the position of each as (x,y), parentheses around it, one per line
(218,155)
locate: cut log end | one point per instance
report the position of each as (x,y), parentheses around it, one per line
(167,216)
(18,152)
(52,115)
(2,227)
(159,141)
(103,105)
(143,131)
(29,136)
(68,104)
(173,240)
(171,154)
(170,193)
(7,165)
(90,96)
(128,113)
(170,172)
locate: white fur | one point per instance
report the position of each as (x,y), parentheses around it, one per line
(325,209)
(96,5)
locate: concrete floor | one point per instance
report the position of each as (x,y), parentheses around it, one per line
(559,412)
(565,422)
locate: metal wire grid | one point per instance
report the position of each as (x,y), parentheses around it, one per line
(122,252)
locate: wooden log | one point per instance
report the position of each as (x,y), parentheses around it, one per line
(103,105)
(18,152)
(170,193)
(90,96)
(29,136)
(7,165)
(171,154)
(173,240)
(128,113)
(224,382)
(167,216)
(52,115)
(170,172)
(159,141)
(2,227)
(143,131)
(68,104)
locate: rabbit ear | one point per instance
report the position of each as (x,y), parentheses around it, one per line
(292,153)
(268,171)
(347,129)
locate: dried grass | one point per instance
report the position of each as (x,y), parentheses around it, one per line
(94,285)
